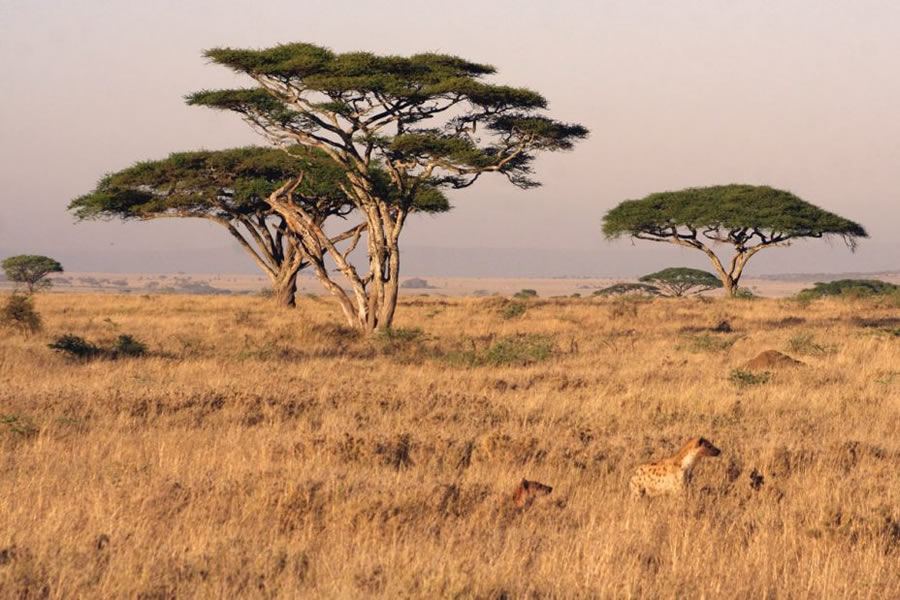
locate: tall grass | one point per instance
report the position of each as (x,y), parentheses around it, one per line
(259,452)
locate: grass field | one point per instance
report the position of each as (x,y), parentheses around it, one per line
(269,453)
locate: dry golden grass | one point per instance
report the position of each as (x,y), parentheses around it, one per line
(272,453)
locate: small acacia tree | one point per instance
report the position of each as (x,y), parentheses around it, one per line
(427,119)
(624,289)
(678,281)
(750,218)
(31,270)
(230,188)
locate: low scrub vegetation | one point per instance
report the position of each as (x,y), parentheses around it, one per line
(18,314)
(79,348)
(276,454)
(851,288)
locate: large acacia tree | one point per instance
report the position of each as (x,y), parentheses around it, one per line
(748,217)
(429,120)
(232,188)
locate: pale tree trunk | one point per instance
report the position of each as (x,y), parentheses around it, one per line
(371,301)
(285,290)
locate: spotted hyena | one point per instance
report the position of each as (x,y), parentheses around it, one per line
(671,475)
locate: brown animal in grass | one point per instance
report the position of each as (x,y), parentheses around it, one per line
(671,475)
(528,492)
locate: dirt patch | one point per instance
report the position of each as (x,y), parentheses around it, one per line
(772,359)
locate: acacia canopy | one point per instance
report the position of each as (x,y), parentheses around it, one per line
(678,281)
(31,269)
(234,188)
(748,217)
(428,120)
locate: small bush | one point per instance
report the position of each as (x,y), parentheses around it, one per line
(742,378)
(805,343)
(128,346)
(18,313)
(743,293)
(513,350)
(19,425)
(399,335)
(75,347)
(525,293)
(514,309)
(710,343)
(523,350)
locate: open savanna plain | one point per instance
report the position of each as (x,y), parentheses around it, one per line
(272,453)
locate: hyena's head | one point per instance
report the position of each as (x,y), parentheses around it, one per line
(705,448)
(528,491)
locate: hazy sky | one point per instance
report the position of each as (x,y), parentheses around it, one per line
(801,95)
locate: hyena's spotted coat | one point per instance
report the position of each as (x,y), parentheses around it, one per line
(671,475)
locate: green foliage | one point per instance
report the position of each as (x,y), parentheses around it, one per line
(74,346)
(399,335)
(710,343)
(227,183)
(19,425)
(514,310)
(678,281)
(525,293)
(743,293)
(727,208)
(623,289)
(805,343)
(31,270)
(849,288)
(19,314)
(79,348)
(742,378)
(402,128)
(127,345)
(748,217)
(513,350)
(378,103)
(519,350)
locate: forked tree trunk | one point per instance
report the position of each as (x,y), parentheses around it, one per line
(285,290)
(730,286)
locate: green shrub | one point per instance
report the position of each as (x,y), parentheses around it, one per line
(850,288)
(710,343)
(512,350)
(128,346)
(400,343)
(514,309)
(19,425)
(742,378)
(525,293)
(75,347)
(399,335)
(519,349)
(805,343)
(18,313)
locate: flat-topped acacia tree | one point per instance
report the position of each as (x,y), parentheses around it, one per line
(429,120)
(230,188)
(678,281)
(748,217)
